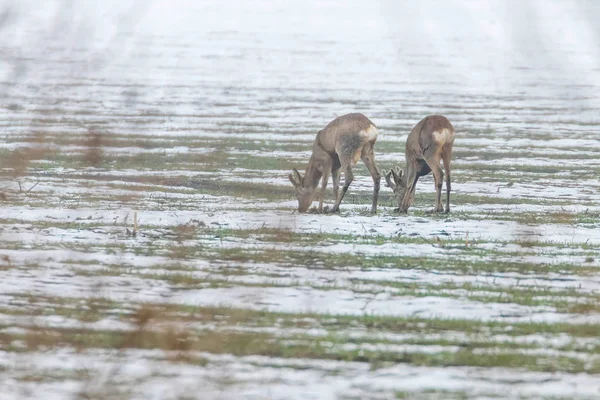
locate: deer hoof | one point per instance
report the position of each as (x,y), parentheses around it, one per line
(438,209)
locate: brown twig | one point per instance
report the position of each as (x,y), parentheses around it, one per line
(34,185)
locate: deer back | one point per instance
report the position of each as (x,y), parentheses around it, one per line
(434,131)
(347,134)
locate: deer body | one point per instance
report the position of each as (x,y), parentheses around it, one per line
(430,141)
(338,147)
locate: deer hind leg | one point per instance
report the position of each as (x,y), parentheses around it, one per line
(446,158)
(433,161)
(368,157)
(346,164)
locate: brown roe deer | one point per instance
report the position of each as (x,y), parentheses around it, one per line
(338,147)
(429,142)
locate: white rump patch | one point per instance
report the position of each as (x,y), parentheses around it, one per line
(444,136)
(370,133)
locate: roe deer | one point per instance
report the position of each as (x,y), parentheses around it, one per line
(428,142)
(340,145)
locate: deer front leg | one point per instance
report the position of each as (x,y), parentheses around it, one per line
(348,178)
(368,157)
(335,178)
(324,181)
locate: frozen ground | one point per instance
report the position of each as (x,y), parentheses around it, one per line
(149,246)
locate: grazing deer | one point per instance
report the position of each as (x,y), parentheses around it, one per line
(428,142)
(340,145)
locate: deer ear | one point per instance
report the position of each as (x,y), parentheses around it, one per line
(399,171)
(388,179)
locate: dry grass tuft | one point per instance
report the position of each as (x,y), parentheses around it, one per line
(94,153)
(19,160)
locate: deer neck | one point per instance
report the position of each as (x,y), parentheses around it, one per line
(312,174)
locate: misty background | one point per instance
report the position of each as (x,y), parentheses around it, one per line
(286,62)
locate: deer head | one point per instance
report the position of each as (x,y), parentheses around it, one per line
(304,191)
(396,180)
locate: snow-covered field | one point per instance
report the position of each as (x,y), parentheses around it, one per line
(149,246)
